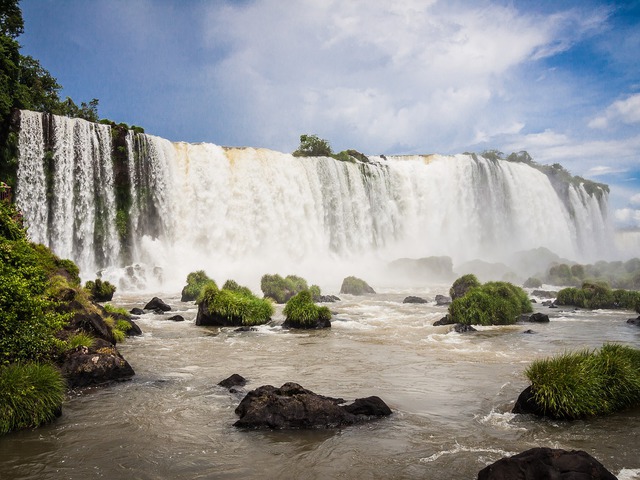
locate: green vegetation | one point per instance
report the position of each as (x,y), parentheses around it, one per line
(355,286)
(100,291)
(617,274)
(117,310)
(80,339)
(301,312)
(587,383)
(30,395)
(235,307)
(196,282)
(532,282)
(493,303)
(314,146)
(462,285)
(281,289)
(316,292)
(598,295)
(234,287)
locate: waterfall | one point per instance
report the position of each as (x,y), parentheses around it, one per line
(244,211)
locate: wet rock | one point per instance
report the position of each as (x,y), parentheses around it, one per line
(528,331)
(412,299)
(328,299)
(294,407)
(634,321)
(544,294)
(463,328)
(442,300)
(234,380)
(246,329)
(176,318)
(446,320)
(526,404)
(97,365)
(157,304)
(136,311)
(547,463)
(538,318)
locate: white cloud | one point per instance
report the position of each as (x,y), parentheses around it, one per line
(627,217)
(603,170)
(625,111)
(635,199)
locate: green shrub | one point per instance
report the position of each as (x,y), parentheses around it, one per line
(316,293)
(355,286)
(301,312)
(195,283)
(117,310)
(313,146)
(532,282)
(462,285)
(236,307)
(282,289)
(233,286)
(595,295)
(493,303)
(100,291)
(30,395)
(80,339)
(587,383)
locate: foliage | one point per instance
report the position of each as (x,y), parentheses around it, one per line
(117,310)
(316,293)
(300,311)
(617,274)
(237,306)
(195,283)
(233,286)
(30,395)
(100,291)
(532,282)
(493,303)
(596,295)
(313,146)
(355,286)
(281,289)
(80,339)
(584,383)
(462,285)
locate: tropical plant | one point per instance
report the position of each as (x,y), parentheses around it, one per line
(235,307)
(100,291)
(80,339)
(301,312)
(462,285)
(195,283)
(313,146)
(281,289)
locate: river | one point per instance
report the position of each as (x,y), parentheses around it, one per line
(451,396)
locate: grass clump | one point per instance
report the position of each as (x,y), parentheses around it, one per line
(116,310)
(281,289)
(493,303)
(100,291)
(195,283)
(301,312)
(462,285)
(587,383)
(355,286)
(80,339)
(31,394)
(595,295)
(232,307)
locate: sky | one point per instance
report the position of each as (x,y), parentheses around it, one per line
(557,78)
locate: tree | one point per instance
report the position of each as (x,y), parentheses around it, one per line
(313,146)
(11,22)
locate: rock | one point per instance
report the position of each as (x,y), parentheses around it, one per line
(548,463)
(446,320)
(442,300)
(292,407)
(412,299)
(355,286)
(537,318)
(177,318)
(634,321)
(328,299)
(234,380)
(319,323)
(136,311)
(92,323)
(157,304)
(463,328)
(97,365)
(246,329)
(544,294)
(528,331)
(525,404)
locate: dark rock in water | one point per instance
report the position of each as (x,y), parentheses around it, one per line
(463,328)
(177,318)
(446,320)
(547,303)
(328,299)
(292,407)
(158,311)
(544,294)
(634,321)
(538,318)
(99,364)
(541,462)
(92,323)
(246,329)
(533,300)
(156,304)
(526,404)
(355,286)
(134,329)
(442,300)
(529,331)
(234,380)
(136,311)
(319,323)
(412,299)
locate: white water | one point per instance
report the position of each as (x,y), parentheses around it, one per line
(241,212)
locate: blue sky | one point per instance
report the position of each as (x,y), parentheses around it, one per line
(560,79)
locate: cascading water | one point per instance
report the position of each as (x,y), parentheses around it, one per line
(241,212)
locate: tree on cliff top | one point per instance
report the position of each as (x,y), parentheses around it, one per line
(313,146)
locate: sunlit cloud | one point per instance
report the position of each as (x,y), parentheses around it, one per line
(626,111)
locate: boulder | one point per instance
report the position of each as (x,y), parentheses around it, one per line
(177,318)
(136,311)
(548,463)
(446,320)
(634,321)
(97,365)
(412,299)
(442,300)
(355,286)
(157,304)
(526,404)
(544,294)
(234,380)
(463,328)
(328,299)
(294,407)
(538,318)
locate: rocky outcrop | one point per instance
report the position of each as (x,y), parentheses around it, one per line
(446,320)
(294,407)
(412,299)
(328,299)
(99,364)
(136,311)
(442,300)
(233,381)
(526,404)
(548,463)
(157,304)
(535,318)
(355,286)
